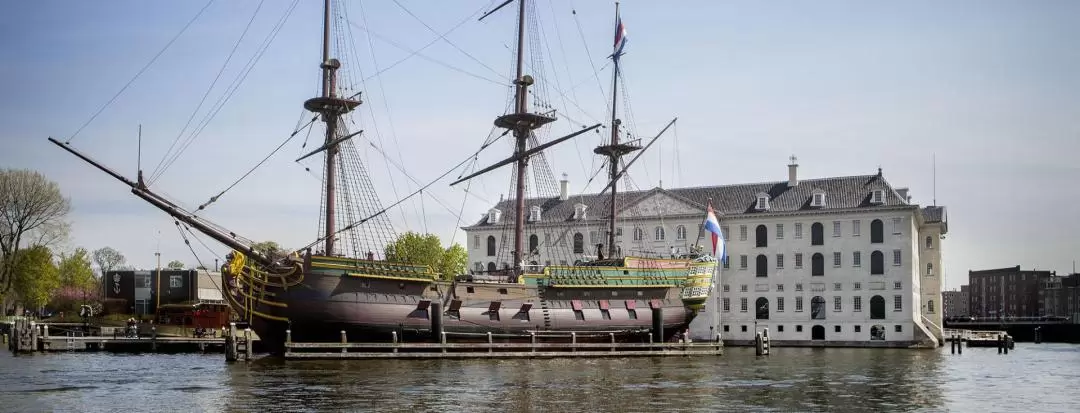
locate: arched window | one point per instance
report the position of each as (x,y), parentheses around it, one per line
(929,242)
(579,243)
(877,232)
(761,236)
(491,246)
(534,243)
(817,308)
(817,234)
(817,264)
(761,308)
(491,267)
(659,233)
(680,232)
(638,234)
(929,268)
(877,263)
(877,307)
(762,265)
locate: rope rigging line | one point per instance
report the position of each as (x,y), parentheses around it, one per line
(253,168)
(140,72)
(443,38)
(197,259)
(212,84)
(413,179)
(596,73)
(230,91)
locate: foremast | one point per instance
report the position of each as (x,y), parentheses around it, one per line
(331,108)
(615,150)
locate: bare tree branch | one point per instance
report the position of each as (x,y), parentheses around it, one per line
(31,208)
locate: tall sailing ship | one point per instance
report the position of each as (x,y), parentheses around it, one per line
(340,286)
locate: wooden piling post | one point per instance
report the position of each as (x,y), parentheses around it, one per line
(247,344)
(1000,343)
(490,342)
(393,336)
(1005,343)
(759,349)
(436,321)
(231,352)
(442,340)
(532,338)
(952,344)
(658,324)
(612,336)
(153,338)
(344,341)
(33,336)
(573,341)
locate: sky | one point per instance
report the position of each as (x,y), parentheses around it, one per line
(985,93)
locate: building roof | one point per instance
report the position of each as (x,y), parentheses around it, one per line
(840,193)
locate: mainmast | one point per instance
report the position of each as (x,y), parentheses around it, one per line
(521,123)
(331,108)
(615,150)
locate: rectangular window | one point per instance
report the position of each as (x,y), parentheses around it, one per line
(857,304)
(476,241)
(743,306)
(779,231)
(836,259)
(727,304)
(727,288)
(478,267)
(836,228)
(899,328)
(779,304)
(780,261)
(857,286)
(856,259)
(142,281)
(896,223)
(176,281)
(896,285)
(725,232)
(798,286)
(837,286)
(798,304)
(798,230)
(836,303)
(898,303)
(856,228)
(742,232)
(727,263)
(798,260)
(742,262)
(742,288)
(779,288)
(895,257)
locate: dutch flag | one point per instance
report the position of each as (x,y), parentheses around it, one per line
(620,39)
(713,225)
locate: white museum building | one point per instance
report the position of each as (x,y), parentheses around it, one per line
(842,261)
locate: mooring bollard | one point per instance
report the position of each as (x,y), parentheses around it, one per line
(153,338)
(490,342)
(952,344)
(45,331)
(1000,343)
(532,338)
(344,341)
(393,336)
(573,341)
(247,344)
(759,347)
(442,340)
(612,335)
(1005,343)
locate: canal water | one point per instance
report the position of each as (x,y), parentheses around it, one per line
(1031,378)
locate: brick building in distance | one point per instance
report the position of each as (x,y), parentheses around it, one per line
(1010,292)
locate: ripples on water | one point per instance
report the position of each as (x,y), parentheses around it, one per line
(1032,378)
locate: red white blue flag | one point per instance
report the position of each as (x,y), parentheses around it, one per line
(620,39)
(713,225)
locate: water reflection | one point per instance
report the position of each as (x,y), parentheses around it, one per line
(792,379)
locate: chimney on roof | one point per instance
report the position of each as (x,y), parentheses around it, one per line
(563,192)
(793,172)
(903,194)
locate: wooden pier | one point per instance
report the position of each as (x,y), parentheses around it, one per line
(979,338)
(31,337)
(489,346)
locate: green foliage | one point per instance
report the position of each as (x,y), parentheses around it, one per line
(36,276)
(270,249)
(175,265)
(413,248)
(107,259)
(75,270)
(32,212)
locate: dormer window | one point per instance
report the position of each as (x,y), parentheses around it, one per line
(494,215)
(877,196)
(762,201)
(579,211)
(818,199)
(534,213)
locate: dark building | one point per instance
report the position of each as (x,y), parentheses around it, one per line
(137,292)
(1063,296)
(1009,292)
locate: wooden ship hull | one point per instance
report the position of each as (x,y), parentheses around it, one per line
(376,301)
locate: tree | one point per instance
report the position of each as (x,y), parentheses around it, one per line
(32,209)
(36,276)
(77,280)
(175,265)
(270,249)
(413,248)
(107,259)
